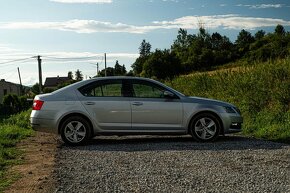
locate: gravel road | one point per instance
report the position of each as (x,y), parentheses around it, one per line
(173,164)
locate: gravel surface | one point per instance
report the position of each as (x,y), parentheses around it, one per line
(173,164)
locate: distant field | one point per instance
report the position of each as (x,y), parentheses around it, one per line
(261,91)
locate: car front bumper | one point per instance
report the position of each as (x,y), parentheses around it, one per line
(232,123)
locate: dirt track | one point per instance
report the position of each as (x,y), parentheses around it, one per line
(38,164)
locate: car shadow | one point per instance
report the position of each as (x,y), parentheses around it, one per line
(173,143)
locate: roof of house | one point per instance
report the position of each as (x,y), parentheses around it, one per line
(54,81)
(3,80)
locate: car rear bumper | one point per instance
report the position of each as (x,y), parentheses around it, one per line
(43,125)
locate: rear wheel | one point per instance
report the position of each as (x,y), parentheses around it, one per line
(75,130)
(205,127)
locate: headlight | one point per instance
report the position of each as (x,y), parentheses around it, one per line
(238,110)
(230,110)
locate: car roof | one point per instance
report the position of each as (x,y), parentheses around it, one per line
(85,82)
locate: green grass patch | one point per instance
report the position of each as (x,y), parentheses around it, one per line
(12,130)
(261,91)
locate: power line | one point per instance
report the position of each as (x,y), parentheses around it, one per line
(17,60)
(70,58)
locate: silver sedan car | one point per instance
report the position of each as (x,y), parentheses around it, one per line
(130,105)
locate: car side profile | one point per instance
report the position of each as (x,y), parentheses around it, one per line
(130,106)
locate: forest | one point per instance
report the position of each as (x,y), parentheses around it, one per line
(204,51)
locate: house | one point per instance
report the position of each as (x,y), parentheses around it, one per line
(8,88)
(53,82)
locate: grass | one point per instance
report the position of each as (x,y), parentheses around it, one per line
(261,91)
(12,130)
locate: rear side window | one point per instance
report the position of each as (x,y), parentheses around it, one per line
(103,89)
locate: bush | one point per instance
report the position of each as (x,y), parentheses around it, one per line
(14,104)
(20,120)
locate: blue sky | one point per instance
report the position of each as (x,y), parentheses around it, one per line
(88,28)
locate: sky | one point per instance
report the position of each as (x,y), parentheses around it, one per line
(75,34)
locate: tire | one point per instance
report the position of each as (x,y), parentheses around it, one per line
(205,127)
(75,131)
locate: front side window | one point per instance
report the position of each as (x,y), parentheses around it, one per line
(106,89)
(144,90)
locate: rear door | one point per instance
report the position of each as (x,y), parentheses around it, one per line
(105,102)
(152,111)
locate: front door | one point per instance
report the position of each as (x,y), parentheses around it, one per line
(152,111)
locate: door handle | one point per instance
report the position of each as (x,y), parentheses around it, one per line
(89,103)
(137,103)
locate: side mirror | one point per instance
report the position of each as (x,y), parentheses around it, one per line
(168,94)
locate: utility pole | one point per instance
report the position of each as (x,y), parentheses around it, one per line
(97,68)
(21,89)
(105,65)
(39,73)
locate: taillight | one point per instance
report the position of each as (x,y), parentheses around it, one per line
(37,104)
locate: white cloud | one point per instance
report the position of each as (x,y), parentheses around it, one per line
(261,6)
(230,21)
(5,48)
(175,1)
(79,26)
(83,1)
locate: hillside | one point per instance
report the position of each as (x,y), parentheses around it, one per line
(261,91)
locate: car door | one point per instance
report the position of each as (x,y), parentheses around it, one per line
(152,111)
(105,102)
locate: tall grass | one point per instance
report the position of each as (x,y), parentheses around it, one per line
(261,91)
(12,130)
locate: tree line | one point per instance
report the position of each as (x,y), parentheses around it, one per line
(203,51)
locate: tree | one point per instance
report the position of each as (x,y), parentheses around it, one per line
(78,75)
(216,41)
(144,51)
(109,71)
(162,64)
(124,71)
(243,42)
(35,88)
(259,34)
(183,40)
(119,70)
(70,75)
(12,101)
(279,30)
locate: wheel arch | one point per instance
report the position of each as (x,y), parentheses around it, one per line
(75,114)
(209,112)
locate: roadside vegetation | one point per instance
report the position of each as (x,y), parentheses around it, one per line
(253,73)
(12,130)
(261,91)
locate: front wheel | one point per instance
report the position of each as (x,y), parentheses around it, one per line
(75,130)
(205,127)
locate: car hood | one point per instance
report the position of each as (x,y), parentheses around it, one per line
(207,101)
